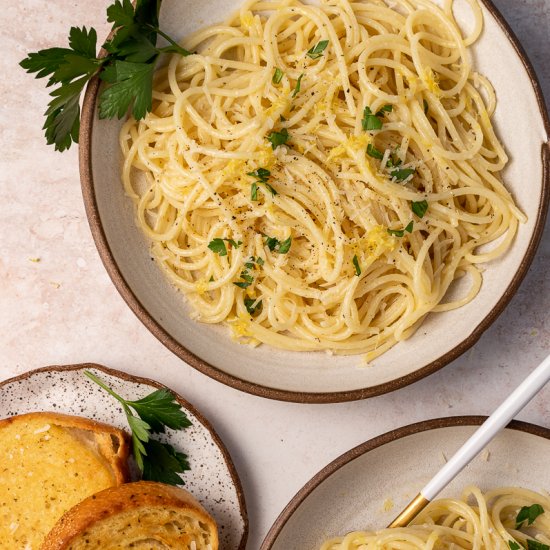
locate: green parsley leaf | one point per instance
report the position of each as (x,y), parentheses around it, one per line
(536,545)
(262,174)
(298,85)
(278,138)
(401,232)
(133,88)
(242,284)
(370,121)
(356,265)
(373,152)
(218,246)
(252,305)
(385,109)
(419,208)
(318,49)
(259,261)
(271,242)
(401,174)
(277,76)
(164,463)
(233,243)
(157,461)
(514,545)
(160,409)
(45,62)
(393,160)
(528,514)
(425,103)
(282,247)
(254,192)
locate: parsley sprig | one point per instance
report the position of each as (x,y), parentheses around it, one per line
(127,68)
(153,414)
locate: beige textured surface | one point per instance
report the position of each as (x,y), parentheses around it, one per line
(63,309)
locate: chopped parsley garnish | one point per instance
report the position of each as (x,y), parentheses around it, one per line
(384,109)
(419,208)
(514,545)
(275,245)
(254,192)
(393,160)
(425,103)
(401,174)
(317,51)
(373,152)
(298,85)
(536,545)
(374,121)
(278,138)
(262,175)
(153,414)
(277,76)
(401,232)
(252,305)
(528,514)
(218,245)
(127,68)
(356,265)
(370,121)
(246,277)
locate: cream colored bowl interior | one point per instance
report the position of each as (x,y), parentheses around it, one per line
(521,128)
(354,496)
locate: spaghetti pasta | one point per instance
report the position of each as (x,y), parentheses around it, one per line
(317,176)
(482,521)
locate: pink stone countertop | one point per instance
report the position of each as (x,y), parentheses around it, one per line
(64,309)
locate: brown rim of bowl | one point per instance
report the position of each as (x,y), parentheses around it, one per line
(147,381)
(98,233)
(375,442)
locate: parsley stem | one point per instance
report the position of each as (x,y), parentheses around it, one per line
(181,50)
(100,382)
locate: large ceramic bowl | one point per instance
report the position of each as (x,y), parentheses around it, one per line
(522,125)
(365,488)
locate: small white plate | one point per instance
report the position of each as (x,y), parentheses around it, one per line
(351,492)
(212,480)
(522,125)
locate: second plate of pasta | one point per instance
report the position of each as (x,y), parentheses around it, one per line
(350,502)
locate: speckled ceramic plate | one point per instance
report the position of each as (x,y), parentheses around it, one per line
(368,486)
(212,479)
(317,377)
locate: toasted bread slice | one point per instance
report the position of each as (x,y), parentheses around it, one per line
(142,515)
(48,463)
